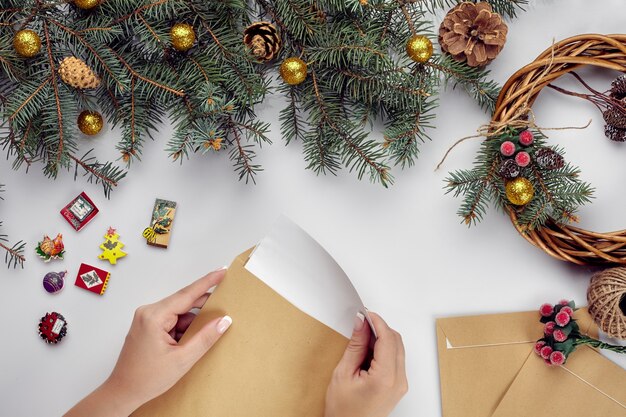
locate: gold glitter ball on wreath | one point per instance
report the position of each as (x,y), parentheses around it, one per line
(86,4)
(293,70)
(520,191)
(90,122)
(182,36)
(419,48)
(27,43)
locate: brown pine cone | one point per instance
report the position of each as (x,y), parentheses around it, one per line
(549,159)
(618,87)
(263,40)
(509,169)
(614,133)
(472,32)
(615,117)
(75,72)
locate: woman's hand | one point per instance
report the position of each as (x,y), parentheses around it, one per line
(354,392)
(152,360)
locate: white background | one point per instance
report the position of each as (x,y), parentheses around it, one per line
(403,247)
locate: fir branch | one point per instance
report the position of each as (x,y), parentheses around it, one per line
(57,100)
(14,255)
(105,174)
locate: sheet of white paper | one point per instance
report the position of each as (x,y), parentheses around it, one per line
(294,265)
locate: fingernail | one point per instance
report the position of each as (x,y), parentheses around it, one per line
(224,324)
(359,320)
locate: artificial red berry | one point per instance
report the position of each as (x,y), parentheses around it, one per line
(548,329)
(522,159)
(559,335)
(564,302)
(507,148)
(546,351)
(538,346)
(562,318)
(557,358)
(526,138)
(569,310)
(546,310)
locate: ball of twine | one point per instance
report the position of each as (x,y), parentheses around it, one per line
(607,301)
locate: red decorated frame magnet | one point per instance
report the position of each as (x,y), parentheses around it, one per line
(79,211)
(92,279)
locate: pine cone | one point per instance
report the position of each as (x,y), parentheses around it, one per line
(549,159)
(614,133)
(75,72)
(263,39)
(618,87)
(472,32)
(615,117)
(509,169)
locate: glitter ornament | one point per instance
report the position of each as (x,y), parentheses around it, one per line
(419,48)
(522,159)
(53,282)
(90,122)
(519,191)
(526,138)
(507,148)
(182,36)
(86,4)
(293,70)
(27,43)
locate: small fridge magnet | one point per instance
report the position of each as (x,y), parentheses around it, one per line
(53,282)
(92,279)
(52,327)
(112,247)
(49,249)
(160,229)
(79,211)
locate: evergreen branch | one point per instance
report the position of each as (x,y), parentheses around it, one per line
(105,174)
(30,97)
(15,254)
(57,99)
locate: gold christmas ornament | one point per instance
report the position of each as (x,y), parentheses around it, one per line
(419,48)
(519,191)
(86,4)
(90,122)
(76,73)
(27,43)
(263,40)
(293,70)
(182,36)
(473,32)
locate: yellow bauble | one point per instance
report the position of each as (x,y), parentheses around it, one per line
(293,70)
(419,48)
(90,122)
(86,4)
(519,191)
(27,43)
(182,36)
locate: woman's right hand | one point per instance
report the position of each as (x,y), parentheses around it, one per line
(354,392)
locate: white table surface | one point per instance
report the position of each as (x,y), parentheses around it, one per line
(404,247)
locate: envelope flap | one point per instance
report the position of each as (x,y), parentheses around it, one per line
(507,328)
(491,329)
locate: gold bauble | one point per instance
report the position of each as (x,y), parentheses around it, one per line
(27,43)
(90,122)
(293,70)
(519,191)
(86,4)
(183,36)
(419,48)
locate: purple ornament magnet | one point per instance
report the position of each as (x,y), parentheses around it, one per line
(53,281)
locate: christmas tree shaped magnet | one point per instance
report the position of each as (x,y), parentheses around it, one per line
(112,247)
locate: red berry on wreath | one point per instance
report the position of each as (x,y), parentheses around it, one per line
(526,138)
(569,310)
(557,358)
(507,148)
(559,335)
(538,346)
(548,329)
(546,351)
(562,318)
(522,159)
(564,302)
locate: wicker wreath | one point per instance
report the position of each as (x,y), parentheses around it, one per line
(518,170)
(566,242)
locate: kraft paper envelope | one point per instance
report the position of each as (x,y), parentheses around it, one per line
(276,360)
(480,356)
(588,385)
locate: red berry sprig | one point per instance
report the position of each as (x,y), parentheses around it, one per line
(561,334)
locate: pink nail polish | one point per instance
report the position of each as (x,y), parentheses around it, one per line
(359,320)
(224,324)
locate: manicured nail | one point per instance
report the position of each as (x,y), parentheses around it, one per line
(359,320)
(224,324)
